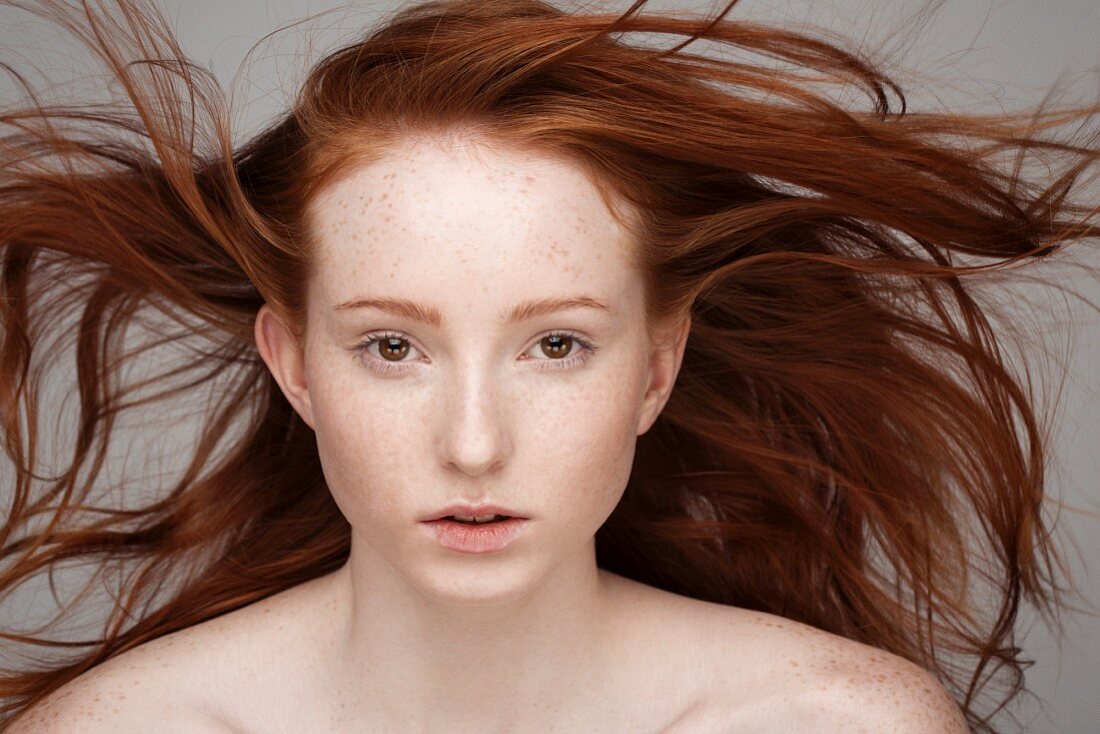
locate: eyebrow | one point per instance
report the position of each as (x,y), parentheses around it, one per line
(432,316)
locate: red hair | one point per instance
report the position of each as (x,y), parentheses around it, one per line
(847,444)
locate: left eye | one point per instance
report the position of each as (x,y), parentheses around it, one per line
(395,346)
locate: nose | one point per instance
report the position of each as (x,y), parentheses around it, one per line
(474,434)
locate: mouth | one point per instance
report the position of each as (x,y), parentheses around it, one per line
(468,520)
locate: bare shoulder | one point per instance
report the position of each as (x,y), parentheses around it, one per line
(124,694)
(774,674)
(212,678)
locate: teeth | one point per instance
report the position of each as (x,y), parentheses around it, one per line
(471,518)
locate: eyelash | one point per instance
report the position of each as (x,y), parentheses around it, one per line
(587,349)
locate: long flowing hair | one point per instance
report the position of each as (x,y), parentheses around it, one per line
(848,443)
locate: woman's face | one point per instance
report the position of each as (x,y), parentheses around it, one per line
(479,407)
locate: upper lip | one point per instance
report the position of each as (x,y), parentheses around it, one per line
(472,511)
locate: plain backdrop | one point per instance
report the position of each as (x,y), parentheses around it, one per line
(969,54)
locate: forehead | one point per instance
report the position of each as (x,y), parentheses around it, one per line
(438,216)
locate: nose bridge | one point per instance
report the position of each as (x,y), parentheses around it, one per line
(474,420)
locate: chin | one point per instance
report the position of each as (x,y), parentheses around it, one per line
(475,581)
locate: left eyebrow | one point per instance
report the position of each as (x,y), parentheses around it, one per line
(433,317)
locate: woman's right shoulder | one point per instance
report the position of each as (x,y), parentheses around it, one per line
(184,682)
(135,691)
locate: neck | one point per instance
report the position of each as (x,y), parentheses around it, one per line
(480,642)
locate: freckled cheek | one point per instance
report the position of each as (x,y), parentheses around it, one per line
(590,444)
(362,448)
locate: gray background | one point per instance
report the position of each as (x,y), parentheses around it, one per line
(970,54)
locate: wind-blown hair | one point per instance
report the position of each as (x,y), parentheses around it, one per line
(847,445)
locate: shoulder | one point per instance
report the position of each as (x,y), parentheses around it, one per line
(124,694)
(774,674)
(212,678)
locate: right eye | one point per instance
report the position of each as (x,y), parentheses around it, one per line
(389,345)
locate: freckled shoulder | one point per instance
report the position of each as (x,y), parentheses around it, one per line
(772,674)
(206,679)
(129,693)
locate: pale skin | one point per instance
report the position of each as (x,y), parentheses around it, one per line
(479,413)
(411,637)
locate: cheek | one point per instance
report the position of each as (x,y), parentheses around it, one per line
(590,442)
(360,439)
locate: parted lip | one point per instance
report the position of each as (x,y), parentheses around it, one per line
(472,511)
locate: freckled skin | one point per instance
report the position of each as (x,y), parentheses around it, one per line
(409,636)
(480,414)
(782,676)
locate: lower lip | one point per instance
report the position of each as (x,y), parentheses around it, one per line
(464,538)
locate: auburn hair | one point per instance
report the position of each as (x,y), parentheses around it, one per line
(848,443)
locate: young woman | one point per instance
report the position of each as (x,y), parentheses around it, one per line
(559,384)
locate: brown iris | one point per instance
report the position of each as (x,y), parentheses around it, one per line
(559,345)
(388,349)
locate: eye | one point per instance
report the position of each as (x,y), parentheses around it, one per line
(394,346)
(556,344)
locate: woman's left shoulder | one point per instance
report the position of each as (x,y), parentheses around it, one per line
(772,673)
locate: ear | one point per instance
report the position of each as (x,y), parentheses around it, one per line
(285,360)
(665,357)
